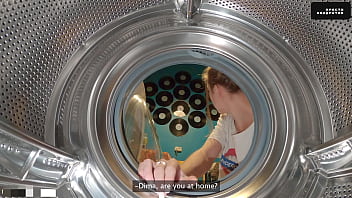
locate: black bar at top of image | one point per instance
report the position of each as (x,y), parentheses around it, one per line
(331,10)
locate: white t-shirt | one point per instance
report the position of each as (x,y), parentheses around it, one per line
(235,146)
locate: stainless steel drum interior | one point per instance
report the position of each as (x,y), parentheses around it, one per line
(68,67)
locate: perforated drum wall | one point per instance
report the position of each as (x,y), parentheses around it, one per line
(65,63)
(38,37)
(36,40)
(325,45)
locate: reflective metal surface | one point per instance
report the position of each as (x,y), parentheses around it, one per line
(37,38)
(26,161)
(139,130)
(323,44)
(66,65)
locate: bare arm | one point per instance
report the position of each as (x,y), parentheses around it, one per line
(200,161)
(195,165)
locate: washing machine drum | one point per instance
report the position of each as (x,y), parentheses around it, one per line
(70,68)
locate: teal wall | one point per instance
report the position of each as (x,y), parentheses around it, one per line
(195,137)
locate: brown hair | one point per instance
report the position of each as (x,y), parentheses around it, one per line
(211,77)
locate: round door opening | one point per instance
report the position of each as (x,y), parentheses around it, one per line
(176,127)
(107,123)
(181,127)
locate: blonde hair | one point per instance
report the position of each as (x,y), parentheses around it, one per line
(211,77)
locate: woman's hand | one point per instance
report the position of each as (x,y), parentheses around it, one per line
(164,170)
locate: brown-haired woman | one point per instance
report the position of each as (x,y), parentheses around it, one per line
(231,137)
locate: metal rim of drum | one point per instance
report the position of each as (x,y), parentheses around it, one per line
(271,76)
